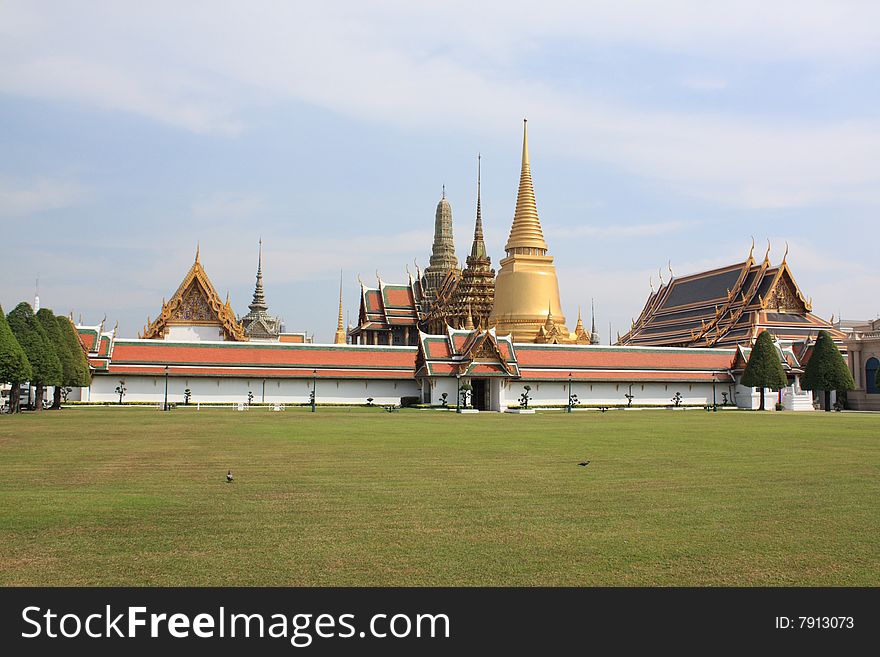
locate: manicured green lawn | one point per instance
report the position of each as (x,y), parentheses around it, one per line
(123,496)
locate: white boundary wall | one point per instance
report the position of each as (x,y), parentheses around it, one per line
(231,389)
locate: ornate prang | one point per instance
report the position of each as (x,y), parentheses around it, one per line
(443,258)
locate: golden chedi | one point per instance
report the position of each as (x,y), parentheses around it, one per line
(526,290)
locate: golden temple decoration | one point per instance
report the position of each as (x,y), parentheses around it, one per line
(195,302)
(339,338)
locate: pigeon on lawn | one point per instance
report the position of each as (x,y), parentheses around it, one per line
(229,477)
(584,463)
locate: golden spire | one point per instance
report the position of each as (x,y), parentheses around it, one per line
(549,323)
(197,252)
(340,332)
(579,327)
(526,230)
(469,322)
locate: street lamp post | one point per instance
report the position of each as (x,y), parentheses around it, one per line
(165,405)
(458,394)
(569,392)
(314,389)
(714,400)
(263,399)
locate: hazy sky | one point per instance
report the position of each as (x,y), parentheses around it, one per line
(658,131)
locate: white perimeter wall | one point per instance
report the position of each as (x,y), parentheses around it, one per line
(229,389)
(611,394)
(503,394)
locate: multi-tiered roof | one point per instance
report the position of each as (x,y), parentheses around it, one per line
(726,307)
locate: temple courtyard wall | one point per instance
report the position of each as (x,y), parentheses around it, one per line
(233,390)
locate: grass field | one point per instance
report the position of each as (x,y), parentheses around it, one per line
(117,496)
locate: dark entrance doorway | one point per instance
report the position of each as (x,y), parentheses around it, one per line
(480,394)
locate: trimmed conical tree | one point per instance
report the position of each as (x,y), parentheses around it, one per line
(14,366)
(32,337)
(826,370)
(49,322)
(79,376)
(764,369)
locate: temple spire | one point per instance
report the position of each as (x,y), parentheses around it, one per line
(526,230)
(594,334)
(340,332)
(259,302)
(197,252)
(443,258)
(478,249)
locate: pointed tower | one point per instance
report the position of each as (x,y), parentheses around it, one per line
(580,335)
(339,338)
(258,323)
(443,258)
(594,334)
(475,293)
(527,279)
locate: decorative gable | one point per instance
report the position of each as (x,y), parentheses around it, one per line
(196,302)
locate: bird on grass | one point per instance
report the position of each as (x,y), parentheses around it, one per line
(584,463)
(229,478)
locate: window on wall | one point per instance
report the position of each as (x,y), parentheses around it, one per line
(871,368)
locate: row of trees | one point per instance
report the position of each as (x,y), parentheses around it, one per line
(41,349)
(825,371)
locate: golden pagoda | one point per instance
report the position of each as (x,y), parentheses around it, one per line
(526,290)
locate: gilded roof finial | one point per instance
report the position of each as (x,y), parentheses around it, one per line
(671,273)
(767,254)
(752,250)
(785,255)
(197,252)
(660,274)
(651,282)
(359,280)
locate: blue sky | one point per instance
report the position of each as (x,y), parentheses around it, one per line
(659,132)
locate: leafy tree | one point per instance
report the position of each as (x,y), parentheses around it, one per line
(35,341)
(826,370)
(764,369)
(79,376)
(49,322)
(14,365)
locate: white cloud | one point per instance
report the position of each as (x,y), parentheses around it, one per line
(704,83)
(228,206)
(24,197)
(615,231)
(200,66)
